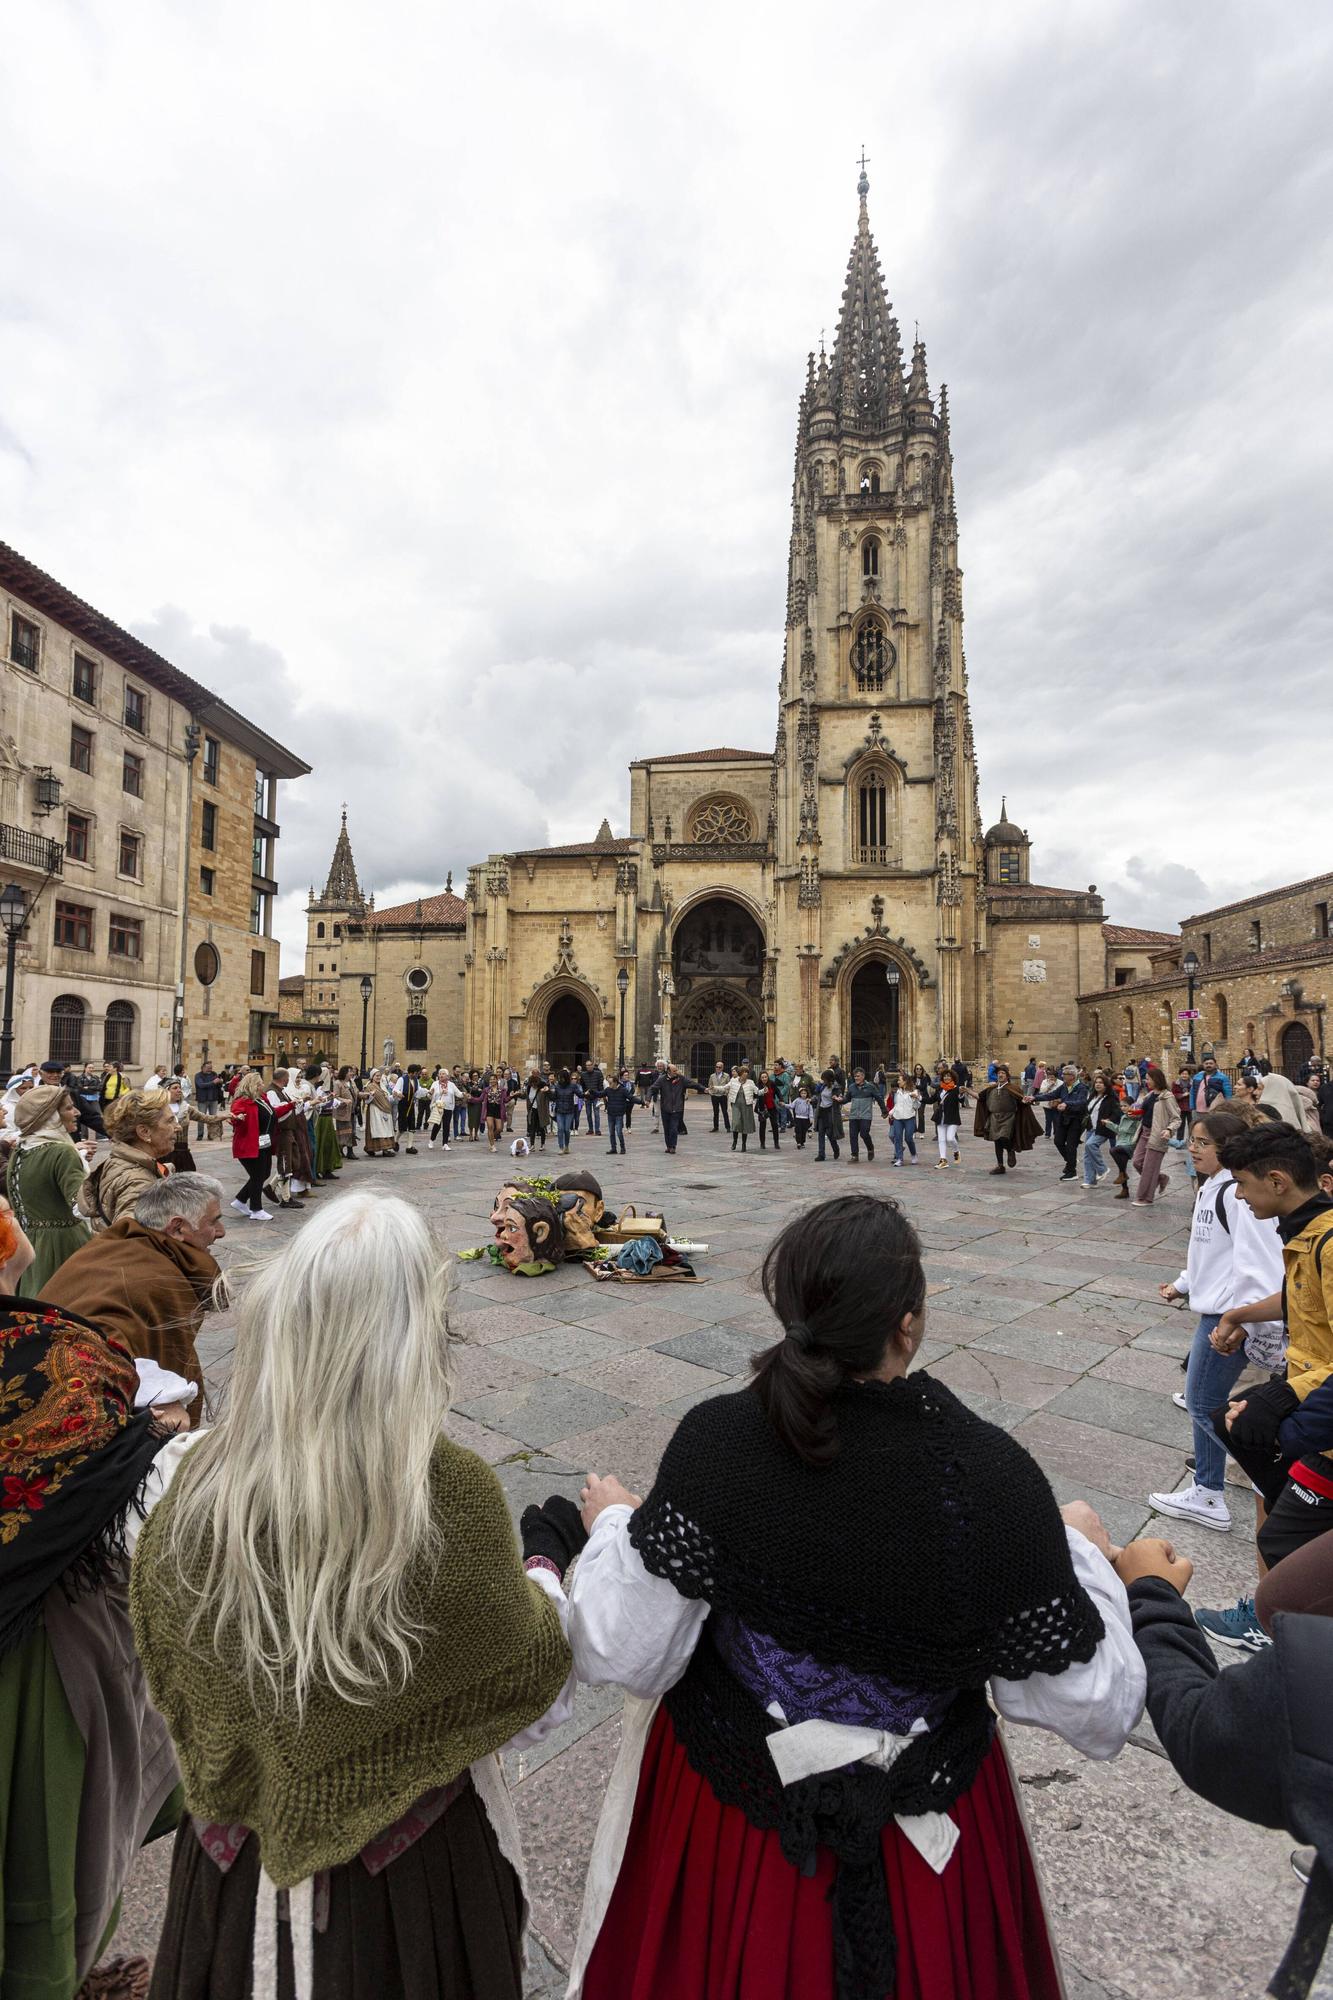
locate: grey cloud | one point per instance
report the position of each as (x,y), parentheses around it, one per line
(442,390)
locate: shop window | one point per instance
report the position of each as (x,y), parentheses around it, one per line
(118,1033)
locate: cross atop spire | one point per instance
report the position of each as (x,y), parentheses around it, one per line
(863,185)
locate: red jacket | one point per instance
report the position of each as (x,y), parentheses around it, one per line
(250,1120)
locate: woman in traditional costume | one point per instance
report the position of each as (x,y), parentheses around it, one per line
(328,1154)
(45,1174)
(832,1569)
(381,1125)
(345,1102)
(338,1701)
(87,1772)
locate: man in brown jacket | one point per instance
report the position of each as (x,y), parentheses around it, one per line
(148,1280)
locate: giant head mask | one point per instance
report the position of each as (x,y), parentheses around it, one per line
(529,1231)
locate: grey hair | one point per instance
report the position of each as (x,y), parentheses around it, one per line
(183,1195)
(306,1512)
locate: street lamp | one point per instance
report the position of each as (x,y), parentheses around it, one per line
(13,915)
(622,988)
(367,988)
(1190,968)
(892,976)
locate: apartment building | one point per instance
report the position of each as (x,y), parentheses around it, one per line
(138,817)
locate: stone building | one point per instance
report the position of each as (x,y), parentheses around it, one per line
(412,955)
(1263,982)
(107,754)
(837,892)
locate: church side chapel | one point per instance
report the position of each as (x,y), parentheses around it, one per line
(839,892)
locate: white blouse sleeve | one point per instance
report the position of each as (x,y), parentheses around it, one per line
(162,1471)
(627,1628)
(562,1708)
(1094,1705)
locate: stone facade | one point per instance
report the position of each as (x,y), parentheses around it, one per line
(1263,982)
(413,954)
(96,785)
(831,894)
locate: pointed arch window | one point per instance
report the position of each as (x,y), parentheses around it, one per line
(870,556)
(869,481)
(872,657)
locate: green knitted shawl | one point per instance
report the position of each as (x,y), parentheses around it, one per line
(316,1791)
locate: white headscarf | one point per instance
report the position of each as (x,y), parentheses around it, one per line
(1279,1092)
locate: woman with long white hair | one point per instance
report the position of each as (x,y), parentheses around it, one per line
(334,1619)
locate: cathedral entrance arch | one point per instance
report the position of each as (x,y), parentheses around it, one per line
(717,967)
(568,1038)
(717,1024)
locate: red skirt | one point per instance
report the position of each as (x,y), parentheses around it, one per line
(707,1906)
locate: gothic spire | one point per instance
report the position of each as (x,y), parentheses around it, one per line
(342,891)
(918,389)
(867,382)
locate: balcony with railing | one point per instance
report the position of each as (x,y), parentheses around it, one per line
(34,851)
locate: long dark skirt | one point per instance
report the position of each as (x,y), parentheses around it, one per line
(439,1923)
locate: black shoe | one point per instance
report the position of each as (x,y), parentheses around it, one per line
(1069,1177)
(997,1170)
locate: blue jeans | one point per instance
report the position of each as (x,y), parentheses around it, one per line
(616,1126)
(904,1131)
(564,1122)
(594,1111)
(1209,1380)
(1094,1162)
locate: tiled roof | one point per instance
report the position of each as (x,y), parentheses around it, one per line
(1262,896)
(1125,934)
(1274,959)
(614,846)
(442,909)
(294,983)
(712,757)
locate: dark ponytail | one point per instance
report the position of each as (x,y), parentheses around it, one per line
(841,1279)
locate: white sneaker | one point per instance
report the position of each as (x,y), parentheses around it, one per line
(430,1145)
(1194,1503)
(444,1149)
(259,1215)
(243,1207)
(1178,1398)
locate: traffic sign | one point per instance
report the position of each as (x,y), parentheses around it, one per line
(1189,1014)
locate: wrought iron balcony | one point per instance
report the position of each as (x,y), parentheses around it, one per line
(31,850)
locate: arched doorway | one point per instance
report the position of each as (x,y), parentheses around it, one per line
(568,1032)
(717,966)
(875,1032)
(1297,1048)
(717,1023)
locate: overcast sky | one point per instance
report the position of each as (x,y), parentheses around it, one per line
(425,380)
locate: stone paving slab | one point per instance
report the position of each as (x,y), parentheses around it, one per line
(1049,1347)
(647,1377)
(542,1412)
(1139,1413)
(1020,1384)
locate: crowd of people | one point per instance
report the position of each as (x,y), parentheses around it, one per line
(295,1634)
(811,1797)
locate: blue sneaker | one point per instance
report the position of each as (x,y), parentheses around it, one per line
(1237,1627)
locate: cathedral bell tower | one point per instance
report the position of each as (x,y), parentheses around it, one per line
(874,812)
(327,917)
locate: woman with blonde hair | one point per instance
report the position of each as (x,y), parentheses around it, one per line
(252,1125)
(334,1620)
(143,1131)
(44,1177)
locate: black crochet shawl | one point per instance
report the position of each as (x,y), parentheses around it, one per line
(930,1552)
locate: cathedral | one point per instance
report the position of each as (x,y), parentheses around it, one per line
(838,892)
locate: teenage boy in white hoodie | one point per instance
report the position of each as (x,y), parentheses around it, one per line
(1232,1257)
